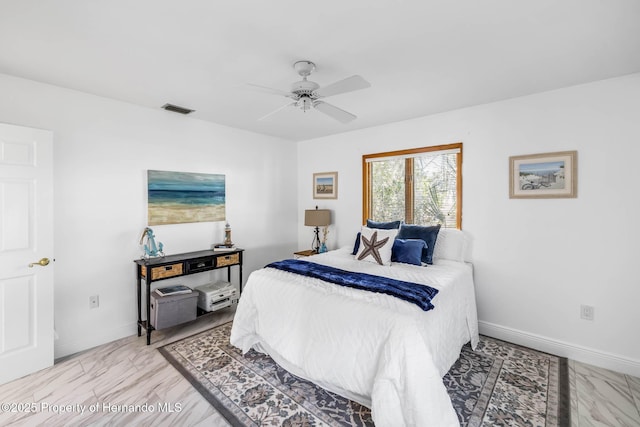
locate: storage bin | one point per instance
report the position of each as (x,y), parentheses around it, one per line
(171,310)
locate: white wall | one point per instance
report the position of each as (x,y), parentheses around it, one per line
(102,150)
(536,261)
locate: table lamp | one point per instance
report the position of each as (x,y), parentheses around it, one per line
(317,218)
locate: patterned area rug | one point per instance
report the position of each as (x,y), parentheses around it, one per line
(499,384)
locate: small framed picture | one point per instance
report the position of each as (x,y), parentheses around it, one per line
(546,175)
(325,185)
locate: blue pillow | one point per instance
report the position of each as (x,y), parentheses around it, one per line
(384,225)
(356,245)
(408,251)
(427,233)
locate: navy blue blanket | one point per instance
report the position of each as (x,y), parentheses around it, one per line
(420,295)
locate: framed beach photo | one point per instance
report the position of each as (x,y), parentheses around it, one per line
(325,185)
(546,175)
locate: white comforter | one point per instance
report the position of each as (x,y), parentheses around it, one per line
(380,351)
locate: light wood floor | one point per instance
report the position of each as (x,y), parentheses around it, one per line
(128,372)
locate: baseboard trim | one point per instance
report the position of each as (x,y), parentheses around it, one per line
(66,348)
(571,351)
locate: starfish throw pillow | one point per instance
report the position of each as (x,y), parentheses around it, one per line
(376,245)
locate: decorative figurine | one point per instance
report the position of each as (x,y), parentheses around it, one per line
(227,236)
(150,248)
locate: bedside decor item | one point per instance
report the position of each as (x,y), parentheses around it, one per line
(317,218)
(546,175)
(183,197)
(323,243)
(151,249)
(325,185)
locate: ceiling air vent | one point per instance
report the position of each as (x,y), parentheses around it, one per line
(177,109)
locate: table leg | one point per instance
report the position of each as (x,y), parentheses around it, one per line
(149,327)
(139,292)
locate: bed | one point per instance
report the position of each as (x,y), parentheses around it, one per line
(378,350)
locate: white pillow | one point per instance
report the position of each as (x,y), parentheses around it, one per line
(450,245)
(374,247)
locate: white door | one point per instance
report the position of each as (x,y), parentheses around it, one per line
(26,237)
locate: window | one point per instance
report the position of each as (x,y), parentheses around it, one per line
(420,185)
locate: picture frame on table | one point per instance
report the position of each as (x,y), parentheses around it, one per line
(325,185)
(544,175)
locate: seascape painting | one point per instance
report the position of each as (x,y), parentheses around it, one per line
(183,197)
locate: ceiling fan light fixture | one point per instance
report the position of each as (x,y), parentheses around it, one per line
(307,94)
(304,103)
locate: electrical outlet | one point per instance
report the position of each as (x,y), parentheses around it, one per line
(586,312)
(94,301)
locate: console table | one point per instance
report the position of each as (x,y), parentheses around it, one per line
(153,269)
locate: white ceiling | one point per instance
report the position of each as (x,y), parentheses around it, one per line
(420,56)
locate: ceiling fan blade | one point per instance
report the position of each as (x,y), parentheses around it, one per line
(269,90)
(291,104)
(334,112)
(341,86)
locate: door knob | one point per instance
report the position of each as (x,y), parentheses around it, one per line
(42,262)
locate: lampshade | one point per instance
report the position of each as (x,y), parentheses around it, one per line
(317,217)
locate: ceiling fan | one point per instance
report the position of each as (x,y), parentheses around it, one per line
(307,94)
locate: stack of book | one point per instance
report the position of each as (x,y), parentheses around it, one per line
(223,247)
(173,290)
